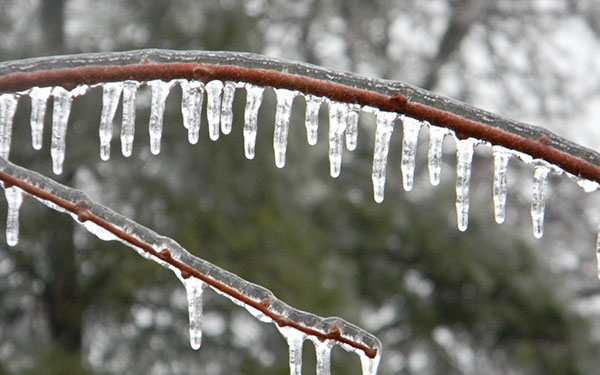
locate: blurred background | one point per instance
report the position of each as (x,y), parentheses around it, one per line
(492,300)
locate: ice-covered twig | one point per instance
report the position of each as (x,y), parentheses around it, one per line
(109,225)
(146,65)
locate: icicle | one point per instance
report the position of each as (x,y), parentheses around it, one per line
(8,106)
(254,95)
(227,107)
(383,134)
(338,116)
(464,157)
(285,99)
(313,105)
(192,95)
(14,197)
(434,155)
(538,199)
(323,350)
(295,340)
(194,288)
(39,99)
(369,365)
(214,90)
(410,136)
(128,124)
(500,189)
(160,91)
(598,253)
(111,93)
(352,127)
(60,117)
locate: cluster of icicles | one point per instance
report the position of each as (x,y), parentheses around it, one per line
(343,131)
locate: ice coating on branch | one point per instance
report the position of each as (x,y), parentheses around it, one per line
(410,136)
(285,98)
(194,288)
(192,95)
(383,134)
(60,117)
(214,90)
(352,127)
(254,95)
(538,198)
(39,100)
(338,117)
(434,154)
(111,93)
(313,105)
(128,122)
(464,158)
(323,351)
(587,185)
(8,106)
(227,107)
(160,91)
(295,340)
(14,197)
(500,187)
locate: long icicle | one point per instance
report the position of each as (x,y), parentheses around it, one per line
(295,340)
(160,91)
(128,121)
(410,136)
(254,95)
(60,118)
(500,187)
(194,289)
(39,100)
(313,105)
(8,106)
(192,95)
(383,134)
(352,127)
(538,198)
(14,197)
(111,93)
(338,116)
(214,91)
(464,157)
(434,154)
(285,99)
(227,107)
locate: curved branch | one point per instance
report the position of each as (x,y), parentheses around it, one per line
(143,65)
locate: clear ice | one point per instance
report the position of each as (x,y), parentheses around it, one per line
(14,197)
(192,95)
(227,107)
(8,106)
(538,198)
(369,365)
(410,136)
(383,134)
(128,122)
(323,351)
(214,91)
(295,340)
(598,252)
(160,91)
(60,117)
(111,93)
(464,157)
(500,188)
(285,99)
(352,127)
(313,105)
(434,154)
(338,117)
(194,288)
(254,95)
(39,100)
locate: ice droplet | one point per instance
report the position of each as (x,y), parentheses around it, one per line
(285,99)
(192,95)
(295,340)
(227,107)
(538,198)
(338,117)
(500,188)
(39,99)
(160,91)
(14,197)
(111,93)
(352,127)
(434,154)
(383,134)
(464,158)
(214,90)
(8,106)
(128,122)
(60,117)
(194,288)
(323,350)
(313,105)
(254,95)
(410,136)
